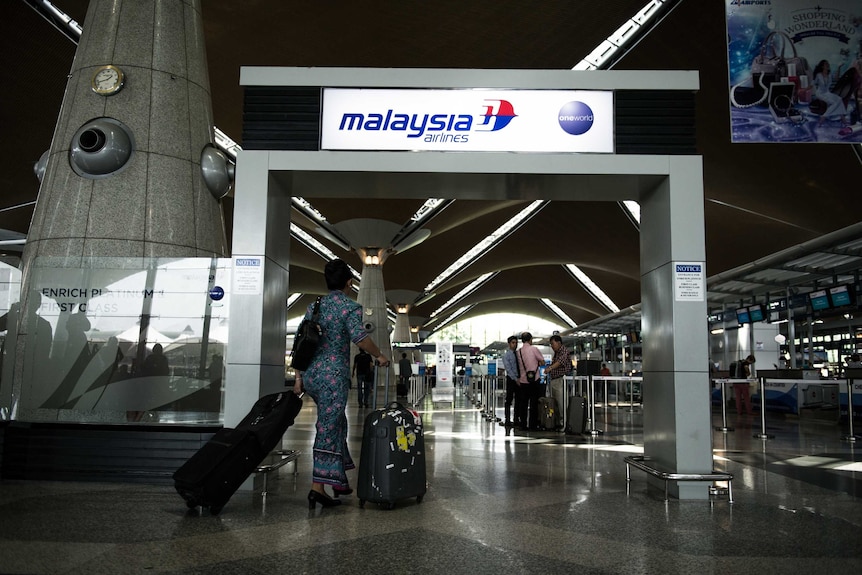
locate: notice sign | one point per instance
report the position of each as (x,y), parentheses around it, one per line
(688,281)
(247,276)
(468,120)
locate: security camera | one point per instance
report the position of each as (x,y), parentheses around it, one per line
(369,326)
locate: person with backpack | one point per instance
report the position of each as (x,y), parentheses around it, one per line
(742,392)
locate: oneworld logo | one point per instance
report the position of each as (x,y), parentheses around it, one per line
(576,118)
(433,127)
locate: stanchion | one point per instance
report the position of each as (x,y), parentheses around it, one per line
(724,428)
(492,399)
(762,434)
(593,431)
(631,408)
(851,437)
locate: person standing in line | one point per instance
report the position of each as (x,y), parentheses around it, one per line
(405,370)
(529,359)
(742,391)
(327,381)
(364,372)
(510,364)
(605,372)
(561,366)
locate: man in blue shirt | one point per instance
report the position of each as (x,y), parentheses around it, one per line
(510,363)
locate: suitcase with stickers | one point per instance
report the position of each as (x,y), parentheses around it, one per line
(392,462)
(548,413)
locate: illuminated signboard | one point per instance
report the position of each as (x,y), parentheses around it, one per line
(840,296)
(755,312)
(468,120)
(819,300)
(742,315)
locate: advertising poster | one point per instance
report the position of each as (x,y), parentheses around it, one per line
(795,70)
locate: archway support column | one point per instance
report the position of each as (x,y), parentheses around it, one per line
(258,327)
(677,428)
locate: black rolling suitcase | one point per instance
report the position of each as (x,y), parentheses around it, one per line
(576,415)
(392,462)
(211,476)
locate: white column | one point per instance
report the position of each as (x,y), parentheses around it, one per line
(677,427)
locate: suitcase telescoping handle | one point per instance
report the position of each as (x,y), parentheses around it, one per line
(386,388)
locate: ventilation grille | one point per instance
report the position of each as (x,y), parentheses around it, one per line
(74,452)
(281,118)
(655,122)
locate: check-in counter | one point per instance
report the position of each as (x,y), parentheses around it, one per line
(792,390)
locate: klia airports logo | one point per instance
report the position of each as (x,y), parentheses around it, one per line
(439,128)
(576,118)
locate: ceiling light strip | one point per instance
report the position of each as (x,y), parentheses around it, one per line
(559,313)
(471,287)
(488,243)
(607,53)
(457,313)
(317,247)
(591,287)
(59,19)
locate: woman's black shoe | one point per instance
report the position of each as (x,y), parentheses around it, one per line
(315,497)
(338,492)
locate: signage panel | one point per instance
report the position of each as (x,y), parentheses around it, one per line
(468,120)
(688,281)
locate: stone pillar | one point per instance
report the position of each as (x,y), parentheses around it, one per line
(156,204)
(372,298)
(123,174)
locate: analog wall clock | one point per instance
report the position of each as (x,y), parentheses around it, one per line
(107,80)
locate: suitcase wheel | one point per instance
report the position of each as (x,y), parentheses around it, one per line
(419,499)
(191,503)
(362,504)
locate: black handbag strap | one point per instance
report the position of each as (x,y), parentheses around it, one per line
(315,312)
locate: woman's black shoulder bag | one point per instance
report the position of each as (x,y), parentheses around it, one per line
(306,341)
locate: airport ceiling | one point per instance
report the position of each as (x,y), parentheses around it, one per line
(759,198)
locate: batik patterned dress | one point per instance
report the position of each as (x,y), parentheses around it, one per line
(327,381)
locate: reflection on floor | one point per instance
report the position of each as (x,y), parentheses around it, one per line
(497,502)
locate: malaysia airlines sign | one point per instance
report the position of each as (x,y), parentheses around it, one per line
(468,120)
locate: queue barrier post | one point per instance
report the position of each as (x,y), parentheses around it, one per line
(763,435)
(724,428)
(851,437)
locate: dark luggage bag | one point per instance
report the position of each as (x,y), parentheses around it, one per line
(576,415)
(392,462)
(401,388)
(211,476)
(547,413)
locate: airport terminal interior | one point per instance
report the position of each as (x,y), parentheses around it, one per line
(86,459)
(498,501)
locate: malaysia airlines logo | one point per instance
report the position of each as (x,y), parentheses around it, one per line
(502,113)
(433,127)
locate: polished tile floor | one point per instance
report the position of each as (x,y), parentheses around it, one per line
(497,502)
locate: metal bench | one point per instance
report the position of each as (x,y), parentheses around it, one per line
(641,462)
(278,459)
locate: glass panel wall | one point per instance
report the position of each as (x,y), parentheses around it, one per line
(10,291)
(131,340)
